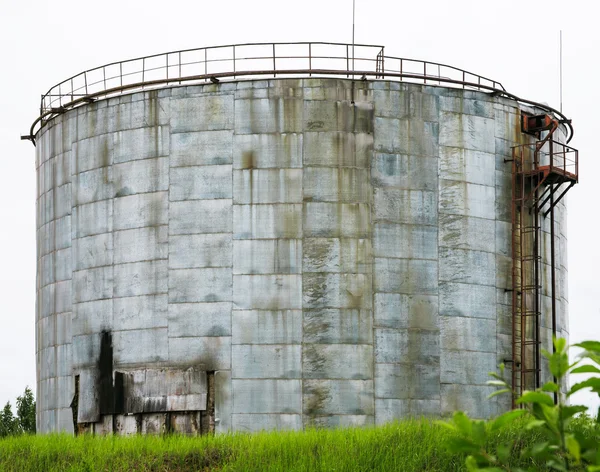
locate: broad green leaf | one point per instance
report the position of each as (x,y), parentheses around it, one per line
(506,418)
(446,425)
(591,356)
(573,447)
(503,452)
(586,369)
(539,449)
(496,383)
(535,424)
(460,444)
(560,344)
(590,346)
(535,397)
(546,354)
(478,434)
(593,384)
(550,387)
(559,364)
(463,423)
(499,392)
(471,464)
(569,411)
(550,414)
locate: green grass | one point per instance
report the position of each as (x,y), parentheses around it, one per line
(412,445)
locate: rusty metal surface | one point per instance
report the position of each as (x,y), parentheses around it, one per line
(541,170)
(252,60)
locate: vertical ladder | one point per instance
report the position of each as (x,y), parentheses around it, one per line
(526,301)
(542,173)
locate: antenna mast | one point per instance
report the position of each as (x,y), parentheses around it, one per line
(561,74)
(353,16)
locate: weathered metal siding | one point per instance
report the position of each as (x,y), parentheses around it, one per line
(334,261)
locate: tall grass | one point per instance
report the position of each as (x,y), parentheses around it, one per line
(410,445)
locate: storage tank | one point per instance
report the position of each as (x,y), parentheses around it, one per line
(336,245)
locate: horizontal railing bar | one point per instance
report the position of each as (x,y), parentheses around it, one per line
(287,72)
(445,65)
(102,87)
(220,47)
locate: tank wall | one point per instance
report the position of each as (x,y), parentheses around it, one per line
(334,263)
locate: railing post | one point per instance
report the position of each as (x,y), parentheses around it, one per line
(167,62)
(143,71)
(347,62)
(72,89)
(424,72)
(274,66)
(205,64)
(310,59)
(104,75)
(234,59)
(120,73)
(85,79)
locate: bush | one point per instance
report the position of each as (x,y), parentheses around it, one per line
(567,442)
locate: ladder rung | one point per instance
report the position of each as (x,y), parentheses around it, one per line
(530,258)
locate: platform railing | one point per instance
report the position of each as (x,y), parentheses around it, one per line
(254,59)
(259,60)
(553,157)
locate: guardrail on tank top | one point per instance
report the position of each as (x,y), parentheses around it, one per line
(257,60)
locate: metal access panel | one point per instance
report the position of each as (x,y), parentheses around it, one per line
(164,390)
(533,124)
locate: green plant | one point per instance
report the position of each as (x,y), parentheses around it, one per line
(8,423)
(26,411)
(562,446)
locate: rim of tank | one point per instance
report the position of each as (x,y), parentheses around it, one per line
(215,64)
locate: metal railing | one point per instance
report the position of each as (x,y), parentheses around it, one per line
(210,63)
(553,157)
(256,60)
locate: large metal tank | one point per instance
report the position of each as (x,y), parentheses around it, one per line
(277,253)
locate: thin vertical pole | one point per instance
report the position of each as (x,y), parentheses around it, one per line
(353,17)
(561,73)
(553,281)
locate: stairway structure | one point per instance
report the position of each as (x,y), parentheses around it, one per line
(542,173)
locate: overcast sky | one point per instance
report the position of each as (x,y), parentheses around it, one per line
(514,42)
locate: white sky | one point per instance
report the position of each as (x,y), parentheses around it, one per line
(514,42)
